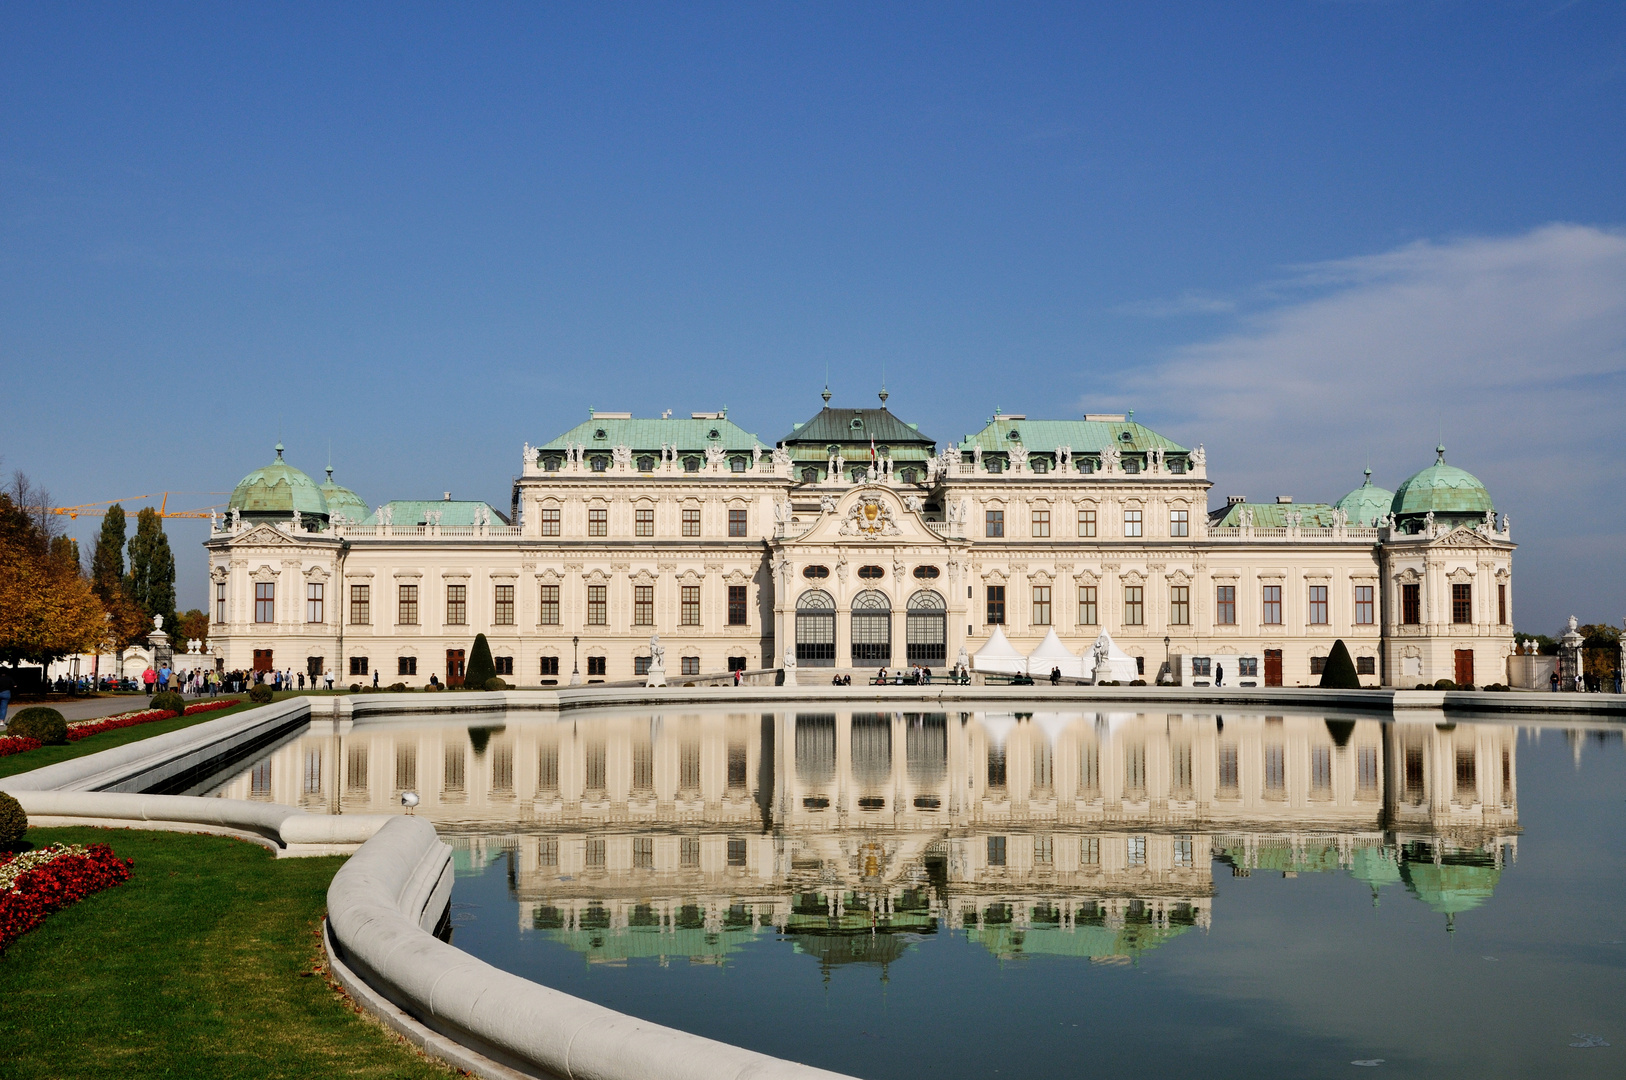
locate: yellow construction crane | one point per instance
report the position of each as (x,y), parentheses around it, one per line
(100,509)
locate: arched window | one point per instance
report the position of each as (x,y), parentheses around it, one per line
(810,476)
(926,749)
(872,628)
(816,749)
(600,463)
(927,629)
(872,751)
(737,464)
(691,464)
(815,629)
(646,463)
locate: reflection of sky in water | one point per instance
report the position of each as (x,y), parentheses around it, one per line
(898,895)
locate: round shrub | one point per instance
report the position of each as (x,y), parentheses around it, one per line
(39,722)
(1444,684)
(496,683)
(355,688)
(1137,682)
(13,822)
(397,688)
(169,701)
(260,695)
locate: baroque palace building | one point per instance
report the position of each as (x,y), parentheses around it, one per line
(857,541)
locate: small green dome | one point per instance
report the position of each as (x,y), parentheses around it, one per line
(278,490)
(1444,490)
(1366,504)
(341,500)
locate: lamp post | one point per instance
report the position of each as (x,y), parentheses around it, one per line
(575,661)
(1166,658)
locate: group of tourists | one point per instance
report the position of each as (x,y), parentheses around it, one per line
(913,675)
(1582,683)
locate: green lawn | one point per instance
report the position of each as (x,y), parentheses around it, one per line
(50,755)
(206,963)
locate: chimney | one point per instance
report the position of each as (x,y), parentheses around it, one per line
(1234,500)
(446,496)
(1284,500)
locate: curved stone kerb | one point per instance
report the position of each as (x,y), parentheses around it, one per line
(377,921)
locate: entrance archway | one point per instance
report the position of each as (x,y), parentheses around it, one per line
(872,628)
(927,629)
(815,629)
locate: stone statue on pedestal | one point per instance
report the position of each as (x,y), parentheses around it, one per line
(657,662)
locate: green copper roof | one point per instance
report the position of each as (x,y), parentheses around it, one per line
(1366,504)
(278,488)
(452,512)
(844,427)
(1450,888)
(1274,515)
(1084,436)
(341,500)
(1443,489)
(649,435)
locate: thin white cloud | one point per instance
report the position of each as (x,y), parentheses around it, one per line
(1189,303)
(1511,348)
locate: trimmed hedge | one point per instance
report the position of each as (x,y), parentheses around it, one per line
(169,701)
(261,694)
(39,722)
(13,822)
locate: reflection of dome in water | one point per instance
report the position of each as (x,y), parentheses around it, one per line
(1452,886)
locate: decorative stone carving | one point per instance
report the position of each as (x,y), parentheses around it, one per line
(827,504)
(913,503)
(1064,458)
(714,457)
(1199,456)
(621,456)
(781,459)
(870,518)
(1109,459)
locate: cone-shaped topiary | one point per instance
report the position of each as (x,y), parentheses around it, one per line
(480,667)
(1339,674)
(39,722)
(13,822)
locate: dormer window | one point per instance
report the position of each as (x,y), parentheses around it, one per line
(1014,436)
(857,423)
(1124,436)
(600,463)
(810,476)
(646,464)
(1039,464)
(737,464)
(691,464)
(993,464)
(551,464)
(600,434)
(714,434)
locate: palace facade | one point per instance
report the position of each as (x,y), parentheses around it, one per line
(856,542)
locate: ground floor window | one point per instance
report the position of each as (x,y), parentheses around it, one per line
(503,664)
(736,663)
(1366,665)
(691,665)
(597,665)
(358,665)
(406,665)
(550,665)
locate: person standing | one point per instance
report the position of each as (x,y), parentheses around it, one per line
(375,678)
(327,676)
(149,679)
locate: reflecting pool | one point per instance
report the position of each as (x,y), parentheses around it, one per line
(1034,894)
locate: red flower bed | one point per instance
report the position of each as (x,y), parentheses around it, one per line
(16,744)
(50,879)
(96,727)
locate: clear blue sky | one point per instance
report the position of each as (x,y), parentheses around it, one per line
(1309,235)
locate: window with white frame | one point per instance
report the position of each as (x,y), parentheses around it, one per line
(1132,523)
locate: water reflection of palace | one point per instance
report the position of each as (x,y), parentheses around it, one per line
(1082,834)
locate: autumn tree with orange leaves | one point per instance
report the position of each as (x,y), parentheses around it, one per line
(47,607)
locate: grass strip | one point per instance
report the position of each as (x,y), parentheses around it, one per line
(50,755)
(207,962)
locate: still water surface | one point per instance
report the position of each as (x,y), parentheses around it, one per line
(1036,894)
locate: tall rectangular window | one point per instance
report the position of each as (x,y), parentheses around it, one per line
(1225,605)
(265,601)
(502,613)
(1087,611)
(220,601)
(689,608)
(1041,523)
(550,606)
(643,521)
(406,665)
(598,605)
(996,851)
(550,521)
(1179,523)
(406,605)
(1364,608)
(737,605)
(313,601)
(1411,604)
(1086,523)
(736,523)
(1272,605)
(643,605)
(1041,605)
(691,522)
(457,605)
(993,523)
(1132,522)
(550,665)
(1318,605)
(1501,605)
(1462,603)
(598,521)
(1134,605)
(996,605)
(1180,605)
(361,605)
(690,665)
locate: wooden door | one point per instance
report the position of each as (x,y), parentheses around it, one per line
(1465,667)
(1273,667)
(262,659)
(454,667)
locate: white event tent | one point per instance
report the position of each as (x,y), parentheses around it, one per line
(1052,654)
(998,655)
(1121,663)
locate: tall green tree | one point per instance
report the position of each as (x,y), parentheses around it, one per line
(152,569)
(107,562)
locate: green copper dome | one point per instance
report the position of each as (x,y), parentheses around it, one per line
(341,500)
(1366,504)
(1451,494)
(277,490)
